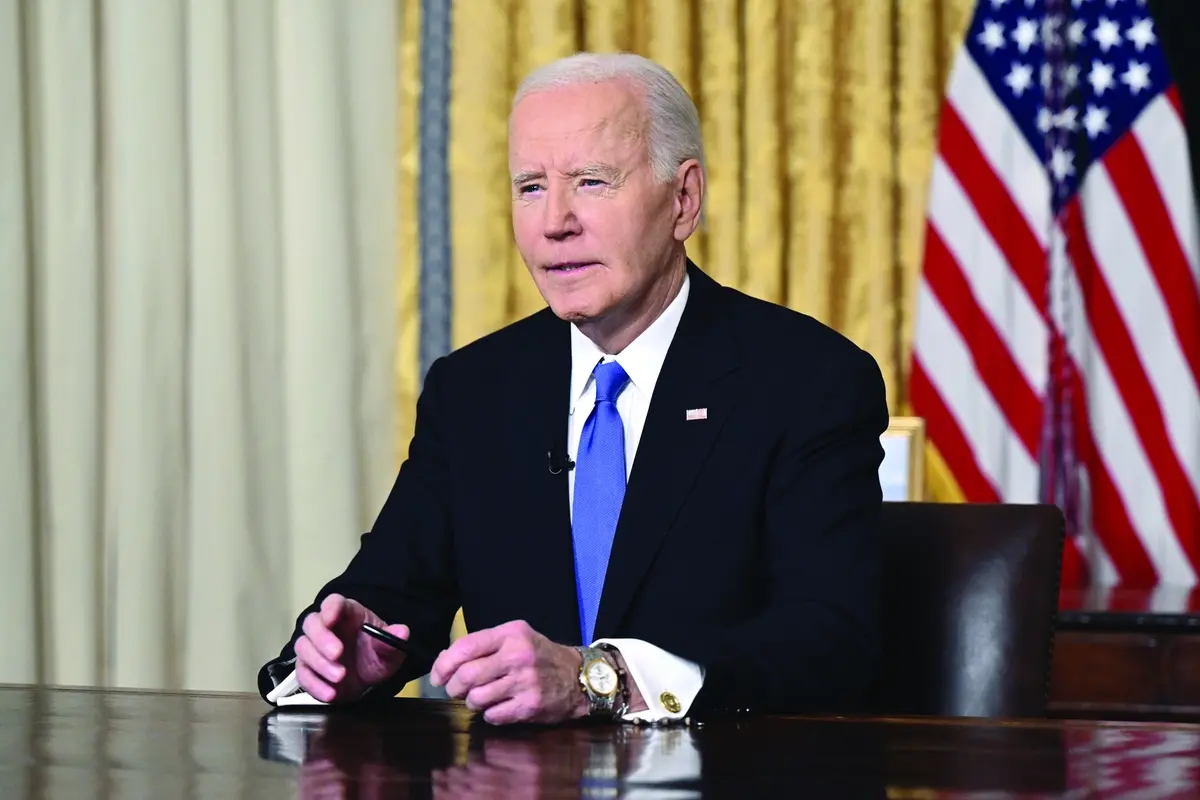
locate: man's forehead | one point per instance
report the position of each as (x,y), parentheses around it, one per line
(590,109)
(573,131)
(605,131)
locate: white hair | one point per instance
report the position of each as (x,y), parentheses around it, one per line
(674,124)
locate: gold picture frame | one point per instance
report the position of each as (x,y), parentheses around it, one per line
(902,473)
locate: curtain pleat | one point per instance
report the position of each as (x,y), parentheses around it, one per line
(19,501)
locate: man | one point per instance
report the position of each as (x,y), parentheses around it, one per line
(668,469)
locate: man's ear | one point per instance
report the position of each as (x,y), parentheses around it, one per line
(689,198)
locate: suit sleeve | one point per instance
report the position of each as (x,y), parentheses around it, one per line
(814,644)
(404,567)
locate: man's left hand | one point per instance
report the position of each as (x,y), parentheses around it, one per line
(513,674)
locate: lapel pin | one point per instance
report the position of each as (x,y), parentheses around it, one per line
(697,413)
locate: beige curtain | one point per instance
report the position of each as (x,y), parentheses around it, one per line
(197,326)
(819,118)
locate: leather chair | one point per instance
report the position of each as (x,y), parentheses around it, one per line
(970,593)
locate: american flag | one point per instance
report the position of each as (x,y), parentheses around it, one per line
(1056,354)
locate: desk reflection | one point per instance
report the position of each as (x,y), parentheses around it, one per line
(370,756)
(627,762)
(448,754)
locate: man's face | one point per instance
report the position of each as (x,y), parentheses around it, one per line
(594,226)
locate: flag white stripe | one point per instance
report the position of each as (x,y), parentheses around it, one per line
(999,294)
(1100,563)
(1001,455)
(1005,148)
(1101,567)
(1122,261)
(1117,443)
(1164,143)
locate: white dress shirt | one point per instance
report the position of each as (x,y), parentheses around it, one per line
(654,670)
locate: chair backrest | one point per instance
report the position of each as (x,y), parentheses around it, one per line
(970,593)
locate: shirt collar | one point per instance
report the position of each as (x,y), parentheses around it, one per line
(642,360)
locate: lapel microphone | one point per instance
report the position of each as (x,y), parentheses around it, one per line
(557,461)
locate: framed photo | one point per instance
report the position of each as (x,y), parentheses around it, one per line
(902,473)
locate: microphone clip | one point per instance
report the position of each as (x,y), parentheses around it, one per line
(556,463)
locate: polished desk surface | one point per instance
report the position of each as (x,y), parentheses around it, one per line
(91,743)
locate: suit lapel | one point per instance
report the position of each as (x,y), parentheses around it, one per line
(544,565)
(673,447)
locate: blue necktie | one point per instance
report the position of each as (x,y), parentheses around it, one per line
(599,490)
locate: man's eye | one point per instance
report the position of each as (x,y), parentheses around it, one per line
(592,182)
(528,188)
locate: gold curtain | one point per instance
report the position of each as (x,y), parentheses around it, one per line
(408,306)
(819,119)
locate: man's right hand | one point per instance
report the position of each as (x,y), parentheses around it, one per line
(335,660)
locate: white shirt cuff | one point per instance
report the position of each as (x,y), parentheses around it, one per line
(288,693)
(669,684)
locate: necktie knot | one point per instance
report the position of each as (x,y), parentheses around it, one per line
(610,380)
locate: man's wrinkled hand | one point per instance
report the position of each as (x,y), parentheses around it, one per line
(335,660)
(512,674)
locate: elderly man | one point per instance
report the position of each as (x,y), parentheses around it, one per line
(656,498)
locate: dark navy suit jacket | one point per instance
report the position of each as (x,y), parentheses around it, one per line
(748,541)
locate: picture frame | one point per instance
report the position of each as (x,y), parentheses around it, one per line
(902,473)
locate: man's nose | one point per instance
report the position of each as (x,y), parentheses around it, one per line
(560,221)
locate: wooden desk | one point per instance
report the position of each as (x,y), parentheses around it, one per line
(78,743)
(1127,654)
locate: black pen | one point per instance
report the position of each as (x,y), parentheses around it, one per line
(403,645)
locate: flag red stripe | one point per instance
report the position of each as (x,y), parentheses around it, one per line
(1131,177)
(1075,570)
(1172,94)
(944,433)
(994,204)
(1132,383)
(1020,406)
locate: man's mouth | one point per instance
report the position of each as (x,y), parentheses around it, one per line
(568,267)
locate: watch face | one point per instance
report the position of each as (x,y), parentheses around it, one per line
(601,677)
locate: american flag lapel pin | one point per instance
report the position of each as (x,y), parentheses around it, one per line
(697,413)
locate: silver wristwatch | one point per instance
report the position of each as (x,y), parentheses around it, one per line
(601,682)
